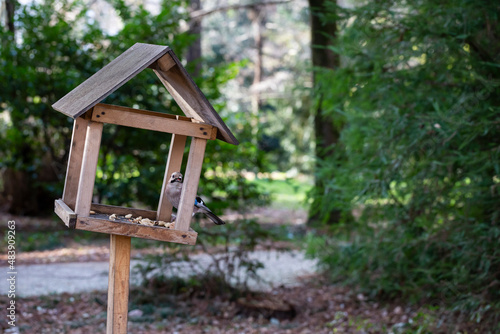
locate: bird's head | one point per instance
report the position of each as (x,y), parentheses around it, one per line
(176,177)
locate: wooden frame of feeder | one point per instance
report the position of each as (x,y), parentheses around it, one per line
(201,124)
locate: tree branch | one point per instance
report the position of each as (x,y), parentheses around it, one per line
(198,14)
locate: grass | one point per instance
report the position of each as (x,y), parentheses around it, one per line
(288,193)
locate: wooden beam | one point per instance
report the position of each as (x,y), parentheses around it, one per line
(182,92)
(143,112)
(75,162)
(166,62)
(118,286)
(122,211)
(190,184)
(150,120)
(89,167)
(64,212)
(191,100)
(103,225)
(174,162)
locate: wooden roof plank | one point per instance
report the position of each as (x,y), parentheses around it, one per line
(109,78)
(191,100)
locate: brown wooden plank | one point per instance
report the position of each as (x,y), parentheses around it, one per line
(89,167)
(122,211)
(174,162)
(190,184)
(166,62)
(75,162)
(191,100)
(136,230)
(145,112)
(109,78)
(150,121)
(67,215)
(213,135)
(118,284)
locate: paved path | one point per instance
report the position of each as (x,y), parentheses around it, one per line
(43,279)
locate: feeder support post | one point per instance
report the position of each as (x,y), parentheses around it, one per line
(118,284)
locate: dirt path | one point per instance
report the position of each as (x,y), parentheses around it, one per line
(281,268)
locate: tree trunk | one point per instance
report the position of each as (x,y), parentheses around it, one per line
(194,50)
(10,6)
(257,16)
(323,35)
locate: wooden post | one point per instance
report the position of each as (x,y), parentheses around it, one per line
(75,162)
(118,286)
(174,163)
(89,167)
(190,184)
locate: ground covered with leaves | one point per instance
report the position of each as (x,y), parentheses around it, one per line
(205,305)
(314,307)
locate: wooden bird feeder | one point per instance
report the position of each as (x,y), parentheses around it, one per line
(83,105)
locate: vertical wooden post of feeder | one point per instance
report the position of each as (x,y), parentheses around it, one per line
(75,161)
(118,286)
(190,184)
(174,162)
(88,169)
(83,105)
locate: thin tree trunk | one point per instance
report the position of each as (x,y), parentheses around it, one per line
(323,35)
(257,15)
(194,50)
(10,6)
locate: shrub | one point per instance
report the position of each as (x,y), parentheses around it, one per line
(421,161)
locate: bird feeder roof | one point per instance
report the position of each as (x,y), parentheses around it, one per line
(167,67)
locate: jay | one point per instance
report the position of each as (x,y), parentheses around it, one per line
(174,190)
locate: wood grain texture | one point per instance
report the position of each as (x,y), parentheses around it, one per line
(118,284)
(191,100)
(144,112)
(122,211)
(88,170)
(75,161)
(67,215)
(166,62)
(174,162)
(190,184)
(136,230)
(150,120)
(109,78)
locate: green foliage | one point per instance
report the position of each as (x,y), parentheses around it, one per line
(418,91)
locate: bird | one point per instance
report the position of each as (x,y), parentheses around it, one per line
(174,190)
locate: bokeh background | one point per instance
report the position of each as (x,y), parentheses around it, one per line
(370,141)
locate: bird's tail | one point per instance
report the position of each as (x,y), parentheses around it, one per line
(213,217)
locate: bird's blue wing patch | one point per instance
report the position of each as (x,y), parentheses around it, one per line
(198,201)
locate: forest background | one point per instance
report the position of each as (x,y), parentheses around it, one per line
(386,110)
